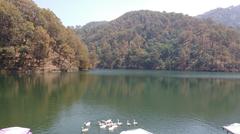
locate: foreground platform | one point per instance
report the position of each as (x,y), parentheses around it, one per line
(15,130)
(136,131)
(233,128)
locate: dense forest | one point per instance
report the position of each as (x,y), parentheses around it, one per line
(164,41)
(34,39)
(228,16)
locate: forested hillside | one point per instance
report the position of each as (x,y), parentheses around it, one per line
(169,41)
(34,39)
(228,16)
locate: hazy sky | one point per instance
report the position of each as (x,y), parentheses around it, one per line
(80,12)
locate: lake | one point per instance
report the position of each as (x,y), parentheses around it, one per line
(163,102)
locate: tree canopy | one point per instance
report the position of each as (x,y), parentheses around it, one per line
(166,41)
(34,39)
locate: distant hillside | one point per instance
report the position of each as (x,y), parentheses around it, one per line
(169,41)
(34,39)
(93,25)
(227,16)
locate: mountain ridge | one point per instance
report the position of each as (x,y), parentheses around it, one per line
(228,16)
(167,41)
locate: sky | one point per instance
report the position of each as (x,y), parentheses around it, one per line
(80,12)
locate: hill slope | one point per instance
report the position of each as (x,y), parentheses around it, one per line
(154,40)
(34,39)
(227,16)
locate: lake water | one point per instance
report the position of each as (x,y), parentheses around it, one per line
(162,102)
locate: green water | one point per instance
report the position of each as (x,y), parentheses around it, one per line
(162,102)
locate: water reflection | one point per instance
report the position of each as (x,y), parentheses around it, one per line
(171,101)
(168,94)
(34,101)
